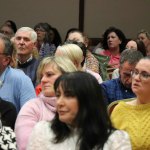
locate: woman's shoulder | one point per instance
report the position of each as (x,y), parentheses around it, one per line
(43,125)
(29,106)
(118,134)
(42,128)
(118,140)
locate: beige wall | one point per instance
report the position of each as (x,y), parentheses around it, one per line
(128,15)
(62,14)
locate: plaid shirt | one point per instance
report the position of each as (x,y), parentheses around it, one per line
(114,90)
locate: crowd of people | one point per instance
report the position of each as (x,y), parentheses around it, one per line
(53,94)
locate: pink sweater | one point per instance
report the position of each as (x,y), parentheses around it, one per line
(35,110)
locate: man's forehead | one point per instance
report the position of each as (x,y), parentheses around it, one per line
(127,66)
(25,34)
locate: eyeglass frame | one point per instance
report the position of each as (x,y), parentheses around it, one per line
(142,75)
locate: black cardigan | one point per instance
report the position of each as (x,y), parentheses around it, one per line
(8,113)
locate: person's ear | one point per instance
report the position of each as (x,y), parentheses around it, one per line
(7,60)
(35,43)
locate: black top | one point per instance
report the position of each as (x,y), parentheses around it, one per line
(8,113)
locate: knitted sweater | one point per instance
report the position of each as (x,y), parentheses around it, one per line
(30,69)
(42,137)
(136,121)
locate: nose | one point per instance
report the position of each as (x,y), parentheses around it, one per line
(137,76)
(109,39)
(43,79)
(21,41)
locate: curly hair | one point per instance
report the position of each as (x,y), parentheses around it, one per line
(120,35)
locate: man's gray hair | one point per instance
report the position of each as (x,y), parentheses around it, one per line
(131,56)
(28,29)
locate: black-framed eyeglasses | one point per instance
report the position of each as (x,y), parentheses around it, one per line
(142,75)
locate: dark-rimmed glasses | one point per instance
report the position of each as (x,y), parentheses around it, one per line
(142,75)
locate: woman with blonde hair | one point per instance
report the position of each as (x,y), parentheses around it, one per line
(42,107)
(76,55)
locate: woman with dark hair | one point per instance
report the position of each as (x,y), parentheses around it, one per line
(12,24)
(114,42)
(81,121)
(44,45)
(55,37)
(7,30)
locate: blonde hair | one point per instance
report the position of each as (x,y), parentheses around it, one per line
(63,64)
(72,51)
(144,32)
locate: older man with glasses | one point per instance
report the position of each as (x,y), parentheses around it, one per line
(120,88)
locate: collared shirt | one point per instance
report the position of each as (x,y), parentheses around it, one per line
(17,87)
(115,90)
(28,60)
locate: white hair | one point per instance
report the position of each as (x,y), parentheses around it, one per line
(33,34)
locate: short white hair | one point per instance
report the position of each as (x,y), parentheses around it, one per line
(33,34)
